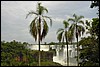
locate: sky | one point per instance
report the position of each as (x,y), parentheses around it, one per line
(14,26)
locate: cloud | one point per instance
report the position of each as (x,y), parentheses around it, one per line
(15,26)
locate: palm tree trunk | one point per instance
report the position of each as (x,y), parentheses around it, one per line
(67,52)
(39,39)
(59,50)
(77,53)
(67,56)
(39,53)
(77,46)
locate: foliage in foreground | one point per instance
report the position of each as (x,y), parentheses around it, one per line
(17,54)
(89,54)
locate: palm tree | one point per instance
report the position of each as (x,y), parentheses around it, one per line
(38,26)
(77,29)
(62,34)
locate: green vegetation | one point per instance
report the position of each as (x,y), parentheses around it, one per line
(64,43)
(95,4)
(89,54)
(18,54)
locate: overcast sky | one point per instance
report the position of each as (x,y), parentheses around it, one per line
(14,26)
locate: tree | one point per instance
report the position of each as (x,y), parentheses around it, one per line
(95,4)
(36,28)
(13,55)
(93,27)
(90,52)
(77,30)
(62,34)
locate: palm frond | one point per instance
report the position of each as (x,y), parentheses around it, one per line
(35,25)
(65,33)
(41,9)
(49,19)
(46,10)
(60,30)
(45,29)
(66,24)
(70,34)
(71,31)
(59,36)
(81,22)
(87,23)
(72,27)
(31,13)
(33,21)
(38,9)
(63,39)
(71,19)
(80,17)
(80,29)
(33,29)
(74,15)
(83,30)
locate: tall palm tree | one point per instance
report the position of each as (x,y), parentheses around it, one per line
(38,26)
(77,30)
(62,34)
